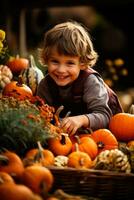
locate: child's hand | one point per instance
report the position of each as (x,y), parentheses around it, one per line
(72,124)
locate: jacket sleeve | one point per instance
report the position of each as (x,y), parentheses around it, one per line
(96,99)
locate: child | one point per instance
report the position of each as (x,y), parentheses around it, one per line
(69,55)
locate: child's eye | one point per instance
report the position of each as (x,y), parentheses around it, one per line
(54,61)
(70,63)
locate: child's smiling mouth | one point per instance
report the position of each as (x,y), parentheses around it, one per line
(61,77)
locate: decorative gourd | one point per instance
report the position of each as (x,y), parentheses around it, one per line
(17,89)
(104,139)
(5,76)
(122,126)
(17,64)
(32,75)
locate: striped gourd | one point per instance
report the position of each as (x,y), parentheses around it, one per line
(32,75)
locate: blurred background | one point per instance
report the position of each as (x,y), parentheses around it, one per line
(109,23)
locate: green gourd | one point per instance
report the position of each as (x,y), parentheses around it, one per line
(32,75)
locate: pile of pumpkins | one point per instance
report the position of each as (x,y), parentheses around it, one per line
(30,177)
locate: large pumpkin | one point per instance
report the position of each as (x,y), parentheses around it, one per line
(122,126)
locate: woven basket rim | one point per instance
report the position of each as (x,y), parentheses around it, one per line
(91,171)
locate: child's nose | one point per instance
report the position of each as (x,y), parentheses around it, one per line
(61,68)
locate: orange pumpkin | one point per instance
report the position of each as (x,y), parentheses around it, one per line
(40,155)
(38,178)
(122,126)
(79,159)
(17,64)
(88,145)
(12,164)
(104,139)
(17,89)
(10,191)
(60,145)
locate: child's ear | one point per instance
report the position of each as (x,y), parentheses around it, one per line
(83,66)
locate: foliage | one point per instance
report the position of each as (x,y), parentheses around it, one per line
(4,50)
(22,125)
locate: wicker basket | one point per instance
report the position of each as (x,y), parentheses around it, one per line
(101,184)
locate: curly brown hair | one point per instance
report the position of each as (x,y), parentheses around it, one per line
(69,38)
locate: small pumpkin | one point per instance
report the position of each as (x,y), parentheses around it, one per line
(39,155)
(17,89)
(17,64)
(88,145)
(5,75)
(122,126)
(32,75)
(60,145)
(79,159)
(104,139)
(38,178)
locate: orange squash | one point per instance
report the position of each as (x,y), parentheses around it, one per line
(88,145)
(122,126)
(17,64)
(79,159)
(38,178)
(104,139)
(10,191)
(12,164)
(17,89)
(40,155)
(60,145)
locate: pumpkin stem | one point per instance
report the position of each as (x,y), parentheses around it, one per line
(17,56)
(100,145)
(63,139)
(78,139)
(76,147)
(20,81)
(39,154)
(56,115)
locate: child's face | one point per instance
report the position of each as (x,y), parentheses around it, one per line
(63,69)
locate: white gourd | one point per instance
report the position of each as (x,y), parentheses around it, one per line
(32,75)
(5,76)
